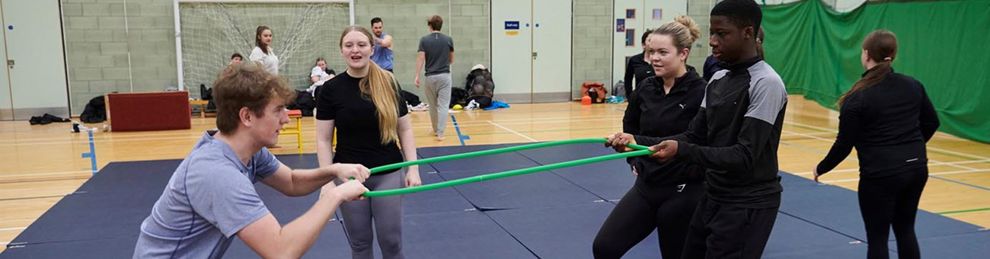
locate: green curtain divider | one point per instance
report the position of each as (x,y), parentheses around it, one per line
(640,151)
(816,50)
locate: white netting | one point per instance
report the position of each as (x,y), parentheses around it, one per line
(211,32)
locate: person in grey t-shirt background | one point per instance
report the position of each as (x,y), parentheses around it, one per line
(211,196)
(436,51)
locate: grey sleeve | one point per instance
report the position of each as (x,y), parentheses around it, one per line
(704,100)
(767,97)
(421,47)
(225,198)
(265,164)
(450,41)
(718,75)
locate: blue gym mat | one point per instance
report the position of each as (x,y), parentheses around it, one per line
(793,234)
(119,247)
(531,190)
(609,180)
(838,209)
(462,234)
(490,164)
(544,215)
(330,244)
(436,201)
(565,231)
(968,245)
(111,204)
(149,177)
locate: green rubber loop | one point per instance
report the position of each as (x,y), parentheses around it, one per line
(639,151)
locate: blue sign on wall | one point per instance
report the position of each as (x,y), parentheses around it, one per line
(511,25)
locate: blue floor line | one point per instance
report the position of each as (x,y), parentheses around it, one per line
(92,153)
(457,128)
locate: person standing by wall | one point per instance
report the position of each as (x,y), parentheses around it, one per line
(382,55)
(436,52)
(262,52)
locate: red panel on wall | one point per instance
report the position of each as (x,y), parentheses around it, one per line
(149,111)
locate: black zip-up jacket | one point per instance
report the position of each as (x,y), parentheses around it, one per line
(736,133)
(651,112)
(888,123)
(636,69)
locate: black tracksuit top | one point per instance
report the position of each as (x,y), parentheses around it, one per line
(651,112)
(736,133)
(888,123)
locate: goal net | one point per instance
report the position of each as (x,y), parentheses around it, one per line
(211,31)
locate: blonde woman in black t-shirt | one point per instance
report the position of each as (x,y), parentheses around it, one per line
(363,105)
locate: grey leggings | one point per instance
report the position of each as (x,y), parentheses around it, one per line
(438,97)
(386,212)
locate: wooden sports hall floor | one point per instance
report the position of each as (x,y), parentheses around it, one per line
(41,164)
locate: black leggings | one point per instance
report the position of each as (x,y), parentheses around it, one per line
(892,201)
(667,209)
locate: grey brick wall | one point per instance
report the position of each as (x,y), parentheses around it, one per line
(302,33)
(97,47)
(97,44)
(699,11)
(591,43)
(466,21)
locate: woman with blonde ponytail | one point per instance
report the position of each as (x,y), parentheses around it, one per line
(363,105)
(888,118)
(664,195)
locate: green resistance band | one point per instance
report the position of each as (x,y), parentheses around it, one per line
(639,151)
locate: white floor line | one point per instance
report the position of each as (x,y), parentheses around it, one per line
(512,131)
(930,174)
(931,163)
(930,160)
(13,228)
(970,156)
(45,173)
(85,141)
(936,162)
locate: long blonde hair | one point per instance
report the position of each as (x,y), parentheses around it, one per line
(380,86)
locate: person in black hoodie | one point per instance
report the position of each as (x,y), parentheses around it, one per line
(664,194)
(888,118)
(735,137)
(637,69)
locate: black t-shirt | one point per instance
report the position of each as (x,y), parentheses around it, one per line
(356,121)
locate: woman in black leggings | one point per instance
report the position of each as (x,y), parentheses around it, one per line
(665,194)
(888,118)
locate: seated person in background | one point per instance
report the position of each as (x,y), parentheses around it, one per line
(319,75)
(235,59)
(480,87)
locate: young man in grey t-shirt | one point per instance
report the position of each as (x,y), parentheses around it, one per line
(211,196)
(436,50)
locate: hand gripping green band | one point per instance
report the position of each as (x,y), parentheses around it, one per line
(640,151)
